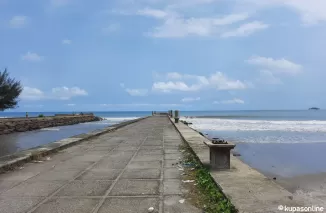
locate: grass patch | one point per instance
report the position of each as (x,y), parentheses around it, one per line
(205,194)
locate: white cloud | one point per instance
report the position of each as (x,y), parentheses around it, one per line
(221,82)
(182,27)
(217,80)
(174,75)
(66,93)
(174,86)
(32,57)
(18,21)
(137,92)
(111,28)
(140,105)
(245,29)
(71,105)
(66,41)
(276,65)
(232,101)
(58,93)
(267,77)
(190,99)
(30,93)
(311,12)
(153,13)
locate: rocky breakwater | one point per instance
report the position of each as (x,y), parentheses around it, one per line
(11,125)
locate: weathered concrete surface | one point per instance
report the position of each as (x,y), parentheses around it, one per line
(249,190)
(126,171)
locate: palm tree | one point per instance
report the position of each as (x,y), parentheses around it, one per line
(10,89)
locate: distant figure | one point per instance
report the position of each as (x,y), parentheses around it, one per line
(26,115)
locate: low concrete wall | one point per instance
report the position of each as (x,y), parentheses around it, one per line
(10,125)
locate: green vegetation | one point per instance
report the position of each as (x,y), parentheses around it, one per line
(41,116)
(10,89)
(207,194)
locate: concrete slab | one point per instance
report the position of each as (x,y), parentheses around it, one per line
(18,204)
(172,205)
(6,185)
(136,187)
(172,156)
(100,174)
(107,164)
(72,165)
(171,173)
(172,187)
(129,205)
(144,165)
(141,174)
(151,148)
(152,152)
(85,188)
(148,158)
(68,205)
(170,163)
(56,175)
(35,189)
(18,175)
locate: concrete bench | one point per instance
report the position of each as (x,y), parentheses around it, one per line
(219,154)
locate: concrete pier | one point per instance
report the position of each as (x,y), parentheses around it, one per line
(125,171)
(130,170)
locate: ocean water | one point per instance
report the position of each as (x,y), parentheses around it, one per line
(277,143)
(308,126)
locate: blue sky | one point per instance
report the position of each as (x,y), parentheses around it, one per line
(74,55)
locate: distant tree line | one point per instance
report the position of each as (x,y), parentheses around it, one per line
(10,89)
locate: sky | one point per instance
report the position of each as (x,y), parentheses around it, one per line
(104,55)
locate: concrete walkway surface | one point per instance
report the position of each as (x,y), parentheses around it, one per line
(126,171)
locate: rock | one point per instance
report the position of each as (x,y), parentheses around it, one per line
(274,178)
(150,209)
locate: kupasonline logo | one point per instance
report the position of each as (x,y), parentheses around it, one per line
(300,209)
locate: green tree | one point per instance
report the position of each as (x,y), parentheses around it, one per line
(10,89)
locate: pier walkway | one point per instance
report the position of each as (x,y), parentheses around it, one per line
(125,171)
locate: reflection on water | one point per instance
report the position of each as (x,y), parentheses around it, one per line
(25,140)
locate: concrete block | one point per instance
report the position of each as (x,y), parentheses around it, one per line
(144,165)
(100,174)
(136,187)
(85,188)
(68,205)
(36,189)
(18,204)
(141,174)
(129,205)
(172,187)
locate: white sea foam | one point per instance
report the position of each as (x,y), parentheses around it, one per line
(120,119)
(111,120)
(216,124)
(50,129)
